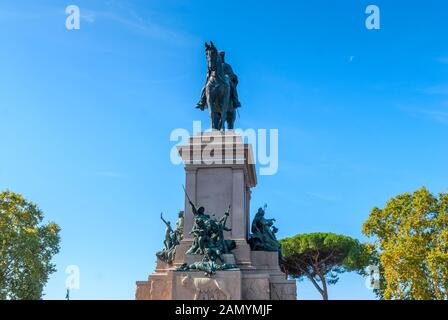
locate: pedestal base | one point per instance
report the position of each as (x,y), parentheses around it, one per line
(261,279)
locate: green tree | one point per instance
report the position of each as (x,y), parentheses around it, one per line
(26,248)
(321,257)
(411,241)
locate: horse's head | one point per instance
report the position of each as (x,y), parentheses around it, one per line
(212,55)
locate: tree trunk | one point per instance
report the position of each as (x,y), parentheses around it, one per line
(316,285)
(324,291)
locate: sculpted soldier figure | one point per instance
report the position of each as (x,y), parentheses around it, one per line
(168,234)
(180,227)
(199,230)
(171,241)
(208,264)
(200,234)
(224,245)
(228,71)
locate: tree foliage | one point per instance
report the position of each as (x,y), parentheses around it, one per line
(321,257)
(26,248)
(411,240)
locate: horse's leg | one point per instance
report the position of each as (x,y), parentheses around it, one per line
(219,115)
(217,121)
(215,116)
(212,116)
(229,109)
(231,119)
(223,121)
(210,108)
(224,105)
(223,115)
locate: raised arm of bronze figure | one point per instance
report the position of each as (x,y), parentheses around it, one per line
(161,217)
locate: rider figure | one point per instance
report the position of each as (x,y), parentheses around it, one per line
(228,71)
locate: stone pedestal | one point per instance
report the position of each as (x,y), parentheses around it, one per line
(220,171)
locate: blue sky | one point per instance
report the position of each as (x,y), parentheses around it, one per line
(86,115)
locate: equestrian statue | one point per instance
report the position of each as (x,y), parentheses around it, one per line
(219,94)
